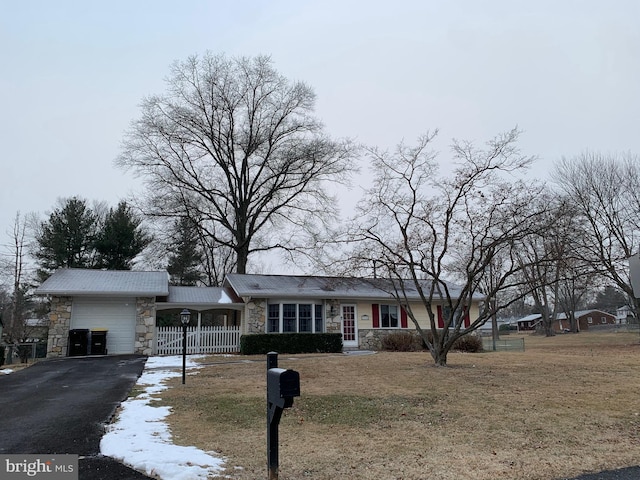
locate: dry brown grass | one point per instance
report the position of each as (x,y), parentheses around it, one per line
(568,405)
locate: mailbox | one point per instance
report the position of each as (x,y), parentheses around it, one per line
(282,386)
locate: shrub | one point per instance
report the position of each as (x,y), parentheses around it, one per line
(504,329)
(469,344)
(262,343)
(401,342)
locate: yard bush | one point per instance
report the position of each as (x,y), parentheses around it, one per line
(260,344)
(401,342)
(504,329)
(469,344)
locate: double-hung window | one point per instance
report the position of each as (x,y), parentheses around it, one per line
(273,318)
(289,315)
(389,316)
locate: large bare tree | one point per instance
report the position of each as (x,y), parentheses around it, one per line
(430,232)
(604,191)
(234,145)
(18,303)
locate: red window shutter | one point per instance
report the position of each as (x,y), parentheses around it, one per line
(440,319)
(467,320)
(375,311)
(403,318)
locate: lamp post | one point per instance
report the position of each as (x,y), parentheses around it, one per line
(185,315)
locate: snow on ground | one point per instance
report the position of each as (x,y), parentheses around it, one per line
(140,437)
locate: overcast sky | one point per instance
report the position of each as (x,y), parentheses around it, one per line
(72,75)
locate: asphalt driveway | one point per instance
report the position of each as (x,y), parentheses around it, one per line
(61,405)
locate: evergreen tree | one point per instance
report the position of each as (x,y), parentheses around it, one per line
(185,259)
(609,299)
(121,239)
(67,238)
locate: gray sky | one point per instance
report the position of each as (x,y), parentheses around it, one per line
(73,73)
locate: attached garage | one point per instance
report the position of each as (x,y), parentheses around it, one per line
(116,315)
(122,302)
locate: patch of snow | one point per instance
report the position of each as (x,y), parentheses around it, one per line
(140,436)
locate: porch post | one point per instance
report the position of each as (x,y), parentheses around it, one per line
(198,332)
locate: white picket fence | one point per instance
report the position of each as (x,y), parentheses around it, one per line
(199,340)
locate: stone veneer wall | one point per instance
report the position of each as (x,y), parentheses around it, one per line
(333,323)
(371,339)
(145,325)
(256,312)
(59,323)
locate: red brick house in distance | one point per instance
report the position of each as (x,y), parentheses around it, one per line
(584,318)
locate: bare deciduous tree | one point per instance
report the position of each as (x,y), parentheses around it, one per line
(18,306)
(235,145)
(425,231)
(604,191)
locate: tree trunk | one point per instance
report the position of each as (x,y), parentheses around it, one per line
(242,255)
(439,357)
(439,352)
(495,332)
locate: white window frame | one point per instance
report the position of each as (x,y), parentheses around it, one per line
(389,306)
(281,302)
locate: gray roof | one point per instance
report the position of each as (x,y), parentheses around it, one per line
(582,313)
(76,281)
(197,295)
(292,286)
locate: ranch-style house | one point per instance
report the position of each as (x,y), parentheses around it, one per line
(127,312)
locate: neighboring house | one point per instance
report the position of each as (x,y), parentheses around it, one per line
(130,305)
(585,319)
(529,322)
(38,329)
(625,314)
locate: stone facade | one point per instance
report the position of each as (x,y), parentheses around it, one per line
(256,314)
(145,325)
(333,323)
(59,323)
(371,339)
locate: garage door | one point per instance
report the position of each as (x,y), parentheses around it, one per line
(116,315)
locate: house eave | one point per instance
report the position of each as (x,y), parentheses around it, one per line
(199,306)
(102,293)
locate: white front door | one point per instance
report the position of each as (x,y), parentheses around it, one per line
(349,326)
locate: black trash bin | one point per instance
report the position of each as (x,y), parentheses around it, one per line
(78,342)
(98,342)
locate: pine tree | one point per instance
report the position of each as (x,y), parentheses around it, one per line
(67,238)
(186,257)
(121,239)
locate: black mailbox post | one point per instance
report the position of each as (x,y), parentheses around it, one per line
(282,386)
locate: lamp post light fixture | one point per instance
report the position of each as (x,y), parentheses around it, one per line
(185,315)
